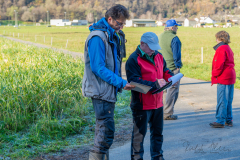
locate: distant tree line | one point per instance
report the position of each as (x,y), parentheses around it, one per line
(92,10)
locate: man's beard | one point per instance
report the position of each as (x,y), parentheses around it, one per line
(116,29)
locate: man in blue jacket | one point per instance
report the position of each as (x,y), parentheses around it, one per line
(102,75)
(171,51)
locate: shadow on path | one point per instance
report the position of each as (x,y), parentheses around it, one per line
(194,83)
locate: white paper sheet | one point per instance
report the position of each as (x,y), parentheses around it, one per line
(175,78)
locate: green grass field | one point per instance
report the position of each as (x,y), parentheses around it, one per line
(41,105)
(192,41)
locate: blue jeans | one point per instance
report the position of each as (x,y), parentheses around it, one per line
(224,103)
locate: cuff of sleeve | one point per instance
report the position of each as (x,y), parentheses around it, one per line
(156,86)
(124,83)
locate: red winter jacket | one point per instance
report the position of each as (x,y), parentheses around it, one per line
(141,70)
(223,65)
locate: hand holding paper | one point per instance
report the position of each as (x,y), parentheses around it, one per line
(175,84)
(129,86)
(175,78)
(161,82)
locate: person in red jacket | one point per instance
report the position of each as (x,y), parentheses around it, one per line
(224,75)
(148,67)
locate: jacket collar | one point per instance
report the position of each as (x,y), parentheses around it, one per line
(218,45)
(141,53)
(173,32)
(103,25)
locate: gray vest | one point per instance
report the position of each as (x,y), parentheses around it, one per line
(92,85)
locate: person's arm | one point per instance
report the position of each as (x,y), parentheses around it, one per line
(133,72)
(96,50)
(218,63)
(176,49)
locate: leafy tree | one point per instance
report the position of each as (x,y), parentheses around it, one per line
(27,16)
(90,9)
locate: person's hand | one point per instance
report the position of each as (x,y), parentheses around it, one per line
(175,84)
(161,82)
(129,87)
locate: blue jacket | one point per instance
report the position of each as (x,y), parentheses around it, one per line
(96,50)
(176,49)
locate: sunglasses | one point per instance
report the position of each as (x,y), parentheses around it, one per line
(120,24)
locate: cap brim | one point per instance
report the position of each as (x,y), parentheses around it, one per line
(178,24)
(154,46)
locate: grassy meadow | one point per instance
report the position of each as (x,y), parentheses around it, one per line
(42,109)
(192,40)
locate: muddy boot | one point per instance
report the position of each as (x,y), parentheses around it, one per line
(96,156)
(107,155)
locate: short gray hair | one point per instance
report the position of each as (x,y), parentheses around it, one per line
(167,28)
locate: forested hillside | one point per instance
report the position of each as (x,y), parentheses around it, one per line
(29,10)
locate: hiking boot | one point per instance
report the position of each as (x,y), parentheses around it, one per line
(230,123)
(171,117)
(216,125)
(158,158)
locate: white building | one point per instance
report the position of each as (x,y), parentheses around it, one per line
(76,22)
(141,23)
(59,22)
(206,20)
(159,23)
(197,20)
(179,21)
(63,22)
(189,22)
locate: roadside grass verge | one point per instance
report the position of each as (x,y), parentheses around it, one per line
(42,109)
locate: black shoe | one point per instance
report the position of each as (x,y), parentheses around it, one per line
(230,123)
(216,125)
(171,117)
(96,156)
(158,158)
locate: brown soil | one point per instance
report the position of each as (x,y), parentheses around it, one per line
(122,135)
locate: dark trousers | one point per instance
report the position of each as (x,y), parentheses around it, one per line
(141,118)
(104,130)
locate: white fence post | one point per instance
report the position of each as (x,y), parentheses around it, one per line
(202,55)
(13,34)
(51,40)
(67,43)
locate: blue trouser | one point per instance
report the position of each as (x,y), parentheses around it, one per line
(104,129)
(141,118)
(224,103)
